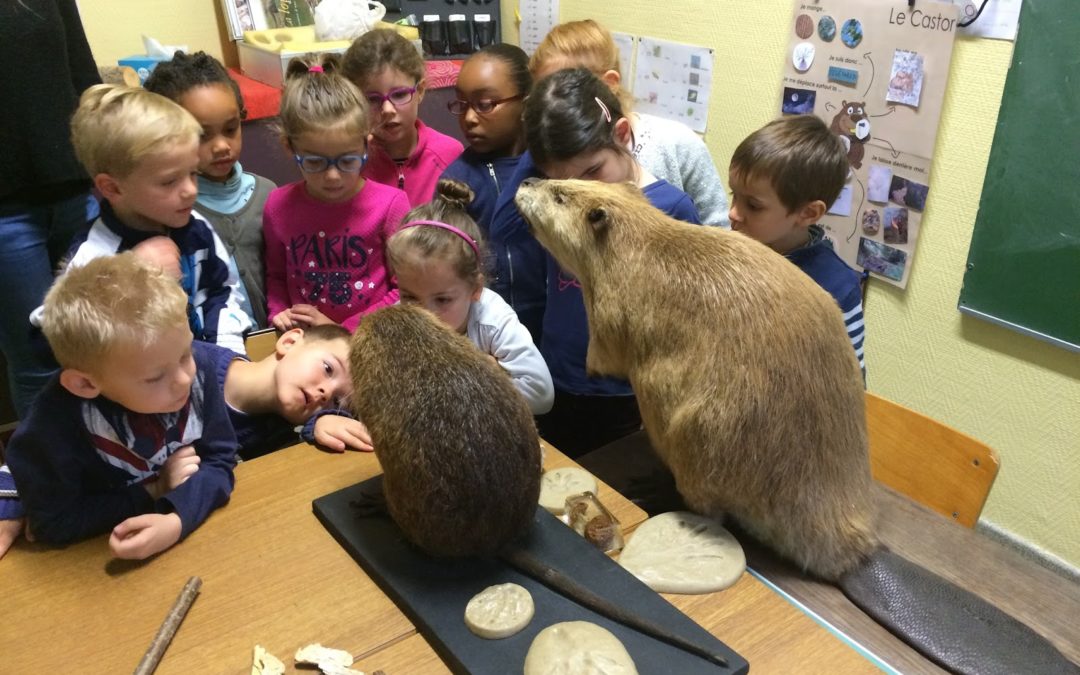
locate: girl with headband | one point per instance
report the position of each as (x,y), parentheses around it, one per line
(438,257)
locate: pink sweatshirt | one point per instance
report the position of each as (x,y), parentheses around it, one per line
(331,256)
(420,172)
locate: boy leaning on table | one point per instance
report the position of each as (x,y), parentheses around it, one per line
(303,382)
(132,435)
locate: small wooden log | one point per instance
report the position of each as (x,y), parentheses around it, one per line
(125,75)
(169,627)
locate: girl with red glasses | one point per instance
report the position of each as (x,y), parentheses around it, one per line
(405,153)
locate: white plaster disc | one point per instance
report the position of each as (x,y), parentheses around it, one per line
(681,552)
(576,647)
(558,484)
(499,611)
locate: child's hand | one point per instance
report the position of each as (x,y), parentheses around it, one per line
(180,466)
(283,321)
(9,532)
(339,433)
(140,537)
(308,315)
(161,251)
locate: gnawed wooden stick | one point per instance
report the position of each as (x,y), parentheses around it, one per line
(169,626)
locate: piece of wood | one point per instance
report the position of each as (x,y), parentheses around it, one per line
(169,627)
(124,75)
(930,462)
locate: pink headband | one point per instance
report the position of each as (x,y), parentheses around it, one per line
(444,226)
(315,69)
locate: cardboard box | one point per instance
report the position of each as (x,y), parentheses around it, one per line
(142,64)
(265,54)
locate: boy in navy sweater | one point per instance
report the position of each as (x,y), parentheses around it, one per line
(142,151)
(132,435)
(783,177)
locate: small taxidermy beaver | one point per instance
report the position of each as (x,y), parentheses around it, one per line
(459,450)
(456,441)
(751,394)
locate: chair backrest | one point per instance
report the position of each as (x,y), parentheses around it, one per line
(933,464)
(260,344)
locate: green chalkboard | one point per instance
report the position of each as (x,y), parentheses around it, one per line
(1023,268)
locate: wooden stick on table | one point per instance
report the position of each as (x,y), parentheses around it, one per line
(169,627)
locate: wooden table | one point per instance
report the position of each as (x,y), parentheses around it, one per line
(1038,597)
(272,575)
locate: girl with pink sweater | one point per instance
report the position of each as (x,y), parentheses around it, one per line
(326,234)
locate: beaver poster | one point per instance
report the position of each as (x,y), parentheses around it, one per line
(878,79)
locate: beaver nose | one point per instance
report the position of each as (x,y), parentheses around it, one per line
(531,181)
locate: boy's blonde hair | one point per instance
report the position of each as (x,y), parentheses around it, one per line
(109,301)
(116,127)
(799,156)
(318,97)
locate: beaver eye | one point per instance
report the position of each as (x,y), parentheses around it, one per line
(559,199)
(596,215)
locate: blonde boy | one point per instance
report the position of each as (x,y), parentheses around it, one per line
(133,434)
(142,151)
(783,177)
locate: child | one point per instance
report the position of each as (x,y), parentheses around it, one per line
(783,177)
(491,89)
(303,382)
(437,257)
(132,435)
(326,234)
(142,151)
(405,153)
(575,128)
(230,199)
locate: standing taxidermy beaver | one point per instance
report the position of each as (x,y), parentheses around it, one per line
(751,394)
(747,383)
(455,439)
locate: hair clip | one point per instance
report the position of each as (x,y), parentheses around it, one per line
(604,108)
(315,69)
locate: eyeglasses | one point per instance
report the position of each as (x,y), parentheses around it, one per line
(343,163)
(482,106)
(398,97)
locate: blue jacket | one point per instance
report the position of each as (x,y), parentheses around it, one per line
(566,329)
(521,263)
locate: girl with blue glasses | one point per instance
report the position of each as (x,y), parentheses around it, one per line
(326,234)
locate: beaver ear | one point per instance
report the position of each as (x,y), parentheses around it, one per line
(598,218)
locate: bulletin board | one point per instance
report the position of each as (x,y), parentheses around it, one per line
(1023,267)
(875,71)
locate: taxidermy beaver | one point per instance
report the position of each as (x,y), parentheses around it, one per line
(752,396)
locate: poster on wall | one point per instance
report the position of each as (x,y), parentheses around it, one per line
(626,44)
(673,80)
(876,73)
(538,17)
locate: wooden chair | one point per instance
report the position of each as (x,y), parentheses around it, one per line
(929,462)
(260,343)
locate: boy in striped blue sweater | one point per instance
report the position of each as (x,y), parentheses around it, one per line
(783,177)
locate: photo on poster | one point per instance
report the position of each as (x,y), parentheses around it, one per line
(905,81)
(906,192)
(802,56)
(842,205)
(851,33)
(871,222)
(896,225)
(804,26)
(880,259)
(826,28)
(877,185)
(798,101)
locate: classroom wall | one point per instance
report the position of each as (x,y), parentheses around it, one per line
(1019,395)
(115,27)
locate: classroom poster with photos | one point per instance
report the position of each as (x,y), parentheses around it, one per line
(673,80)
(875,72)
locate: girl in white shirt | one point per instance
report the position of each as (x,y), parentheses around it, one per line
(438,258)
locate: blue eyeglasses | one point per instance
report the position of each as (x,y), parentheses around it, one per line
(343,163)
(398,97)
